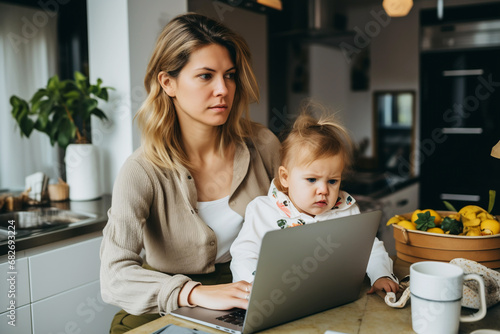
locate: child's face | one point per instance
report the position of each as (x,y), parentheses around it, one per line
(314,189)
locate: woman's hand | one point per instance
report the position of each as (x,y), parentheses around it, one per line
(385,284)
(221,296)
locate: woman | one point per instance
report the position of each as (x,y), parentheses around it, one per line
(180,198)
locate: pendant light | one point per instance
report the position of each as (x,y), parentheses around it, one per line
(397,8)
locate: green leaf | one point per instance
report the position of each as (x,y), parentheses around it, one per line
(38,96)
(53,84)
(36,106)
(99,113)
(103,94)
(491,204)
(53,109)
(82,82)
(15,101)
(20,112)
(79,76)
(42,122)
(94,90)
(66,133)
(26,126)
(56,121)
(72,95)
(453,226)
(90,105)
(87,107)
(20,108)
(425,221)
(449,206)
(71,86)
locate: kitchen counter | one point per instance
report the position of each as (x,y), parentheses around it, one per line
(369,314)
(98,208)
(375,185)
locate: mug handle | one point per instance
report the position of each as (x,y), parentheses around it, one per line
(482,300)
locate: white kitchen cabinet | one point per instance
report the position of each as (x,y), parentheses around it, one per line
(20,279)
(64,268)
(402,201)
(22,321)
(79,310)
(57,289)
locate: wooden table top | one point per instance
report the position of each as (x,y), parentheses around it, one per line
(369,314)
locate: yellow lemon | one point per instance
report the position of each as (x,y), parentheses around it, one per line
(489,227)
(471,221)
(407,225)
(437,218)
(455,216)
(482,216)
(414,215)
(468,209)
(435,230)
(394,220)
(474,232)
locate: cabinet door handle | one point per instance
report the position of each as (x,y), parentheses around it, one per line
(462,73)
(402,202)
(463,131)
(461,197)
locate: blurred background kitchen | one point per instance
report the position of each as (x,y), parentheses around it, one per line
(419,91)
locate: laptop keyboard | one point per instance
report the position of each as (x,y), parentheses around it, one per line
(236,317)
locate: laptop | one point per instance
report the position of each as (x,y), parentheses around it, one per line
(300,271)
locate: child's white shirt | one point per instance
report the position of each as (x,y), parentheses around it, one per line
(275,211)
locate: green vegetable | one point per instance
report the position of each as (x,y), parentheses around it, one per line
(425,221)
(452,226)
(449,206)
(491,204)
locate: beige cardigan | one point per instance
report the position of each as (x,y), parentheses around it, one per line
(155,210)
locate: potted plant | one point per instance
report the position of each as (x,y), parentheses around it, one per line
(63,110)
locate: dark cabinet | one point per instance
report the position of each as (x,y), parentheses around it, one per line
(459,106)
(460,123)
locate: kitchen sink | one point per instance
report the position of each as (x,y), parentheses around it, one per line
(40,220)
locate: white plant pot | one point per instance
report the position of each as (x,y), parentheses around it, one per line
(82,172)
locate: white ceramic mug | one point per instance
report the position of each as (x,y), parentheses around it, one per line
(436,294)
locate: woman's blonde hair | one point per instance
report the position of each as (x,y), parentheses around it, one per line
(312,138)
(157,118)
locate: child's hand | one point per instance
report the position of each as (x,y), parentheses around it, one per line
(385,284)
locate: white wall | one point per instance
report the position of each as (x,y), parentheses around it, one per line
(328,82)
(121,36)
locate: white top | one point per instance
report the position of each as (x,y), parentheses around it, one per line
(275,211)
(225,223)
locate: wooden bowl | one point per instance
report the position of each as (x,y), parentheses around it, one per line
(414,246)
(58,192)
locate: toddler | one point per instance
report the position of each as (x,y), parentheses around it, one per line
(306,189)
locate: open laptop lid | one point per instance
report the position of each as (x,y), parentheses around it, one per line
(311,268)
(301,271)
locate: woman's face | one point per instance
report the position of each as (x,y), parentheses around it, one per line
(203,92)
(314,189)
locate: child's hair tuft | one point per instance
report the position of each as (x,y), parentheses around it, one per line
(315,134)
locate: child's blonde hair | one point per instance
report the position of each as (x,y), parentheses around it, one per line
(312,138)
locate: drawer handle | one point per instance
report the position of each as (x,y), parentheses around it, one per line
(402,202)
(463,131)
(462,73)
(461,197)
